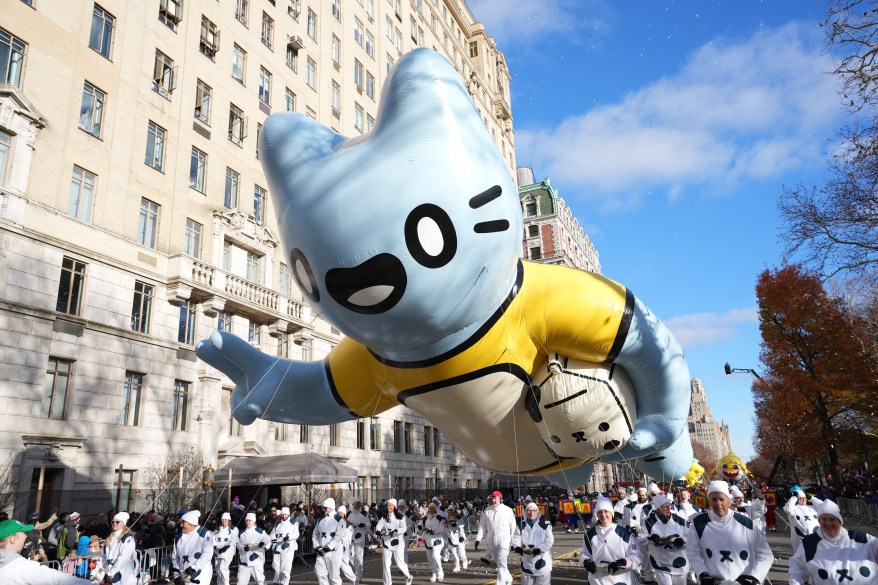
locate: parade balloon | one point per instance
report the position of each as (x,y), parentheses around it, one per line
(408,240)
(732,469)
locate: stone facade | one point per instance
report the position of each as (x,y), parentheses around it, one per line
(703,427)
(134,221)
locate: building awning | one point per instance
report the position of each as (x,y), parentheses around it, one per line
(294,469)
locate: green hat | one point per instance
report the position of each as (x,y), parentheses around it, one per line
(10,527)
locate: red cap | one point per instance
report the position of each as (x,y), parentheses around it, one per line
(496,495)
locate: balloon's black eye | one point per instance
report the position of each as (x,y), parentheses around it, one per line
(430,236)
(304,275)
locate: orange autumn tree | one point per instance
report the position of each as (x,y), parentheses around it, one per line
(818,382)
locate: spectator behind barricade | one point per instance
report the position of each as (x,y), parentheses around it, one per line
(101,528)
(83,553)
(69,536)
(70,562)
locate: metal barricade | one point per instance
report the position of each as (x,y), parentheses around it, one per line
(472,524)
(306,546)
(156,561)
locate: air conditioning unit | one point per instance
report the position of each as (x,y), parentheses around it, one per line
(295,42)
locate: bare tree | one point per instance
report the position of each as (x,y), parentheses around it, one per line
(174,482)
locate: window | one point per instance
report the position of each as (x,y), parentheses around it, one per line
(55,388)
(155,146)
(358,117)
(397,39)
(237,125)
(310,113)
(239,63)
(397,436)
(413,26)
(374,434)
(203,95)
(389,62)
(336,100)
(179,414)
(259,196)
(473,49)
(397,8)
(311,73)
(294,8)
(163,76)
(370,85)
(292,58)
(428,441)
(408,437)
(254,263)
(82,190)
(370,44)
(171,14)
(358,31)
(186,329)
(312,24)
(284,280)
(192,244)
(281,432)
(530,208)
(5,148)
(336,9)
(131,393)
(254,333)
(141,308)
(267,30)
(227,255)
(388,27)
(437,443)
(359,75)
(224,321)
(197,169)
(289,100)
(333,435)
(241,9)
(101,37)
(233,180)
(336,50)
(258,134)
(361,434)
(370,9)
(533,231)
(71,286)
(264,86)
(304,433)
(307,349)
(236,429)
(91,112)
(370,122)
(210,39)
(149,223)
(123,498)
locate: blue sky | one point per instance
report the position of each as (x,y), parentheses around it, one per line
(670,128)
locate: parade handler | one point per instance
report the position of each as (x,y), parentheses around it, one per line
(610,553)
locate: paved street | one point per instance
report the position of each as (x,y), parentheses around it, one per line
(566,569)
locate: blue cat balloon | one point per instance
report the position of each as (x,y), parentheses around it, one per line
(408,240)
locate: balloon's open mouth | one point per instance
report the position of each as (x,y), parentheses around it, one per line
(373,287)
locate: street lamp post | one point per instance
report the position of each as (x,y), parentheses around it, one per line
(730,370)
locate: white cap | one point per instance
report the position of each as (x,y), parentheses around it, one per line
(73,516)
(284,511)
(532,505)
(434,499)
(250,516)
(603,504)
(829,507)
(392,502)
(735,492)
(719,486)
(356,500)
(329,503)
(660,500)
(653,489)
(121,517)
(642,489)
(342,510)
(528,499)
(191,517)
(401,504)
(226,516)
(800,493)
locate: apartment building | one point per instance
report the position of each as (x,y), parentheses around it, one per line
(135,220)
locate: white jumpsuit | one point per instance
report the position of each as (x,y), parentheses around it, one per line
(251,555)
(328,534)
(194,550)
(605,545)
(225,540)
(391,530)
(457,537)
(802,519)
(119,557)
(284,535)
(434,541)
(849,558)
(727,547)
(668,558)
(362,526)
(536,569)
(498,525)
